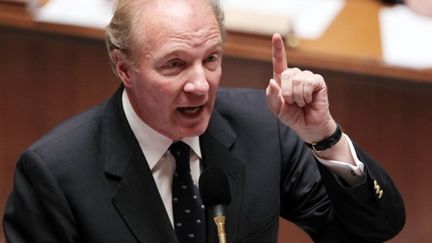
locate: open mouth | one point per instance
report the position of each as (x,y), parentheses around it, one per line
(190,110)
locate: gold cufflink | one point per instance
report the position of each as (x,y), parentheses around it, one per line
(376,187)
(378,190)
(380,194)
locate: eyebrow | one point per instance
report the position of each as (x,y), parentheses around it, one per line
(173,51)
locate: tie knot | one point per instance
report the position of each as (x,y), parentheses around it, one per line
(180,151)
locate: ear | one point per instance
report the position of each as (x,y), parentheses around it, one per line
(123,67)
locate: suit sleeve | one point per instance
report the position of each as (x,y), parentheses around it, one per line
(331,211)
(37,210)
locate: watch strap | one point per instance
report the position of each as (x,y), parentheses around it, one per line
(327,142)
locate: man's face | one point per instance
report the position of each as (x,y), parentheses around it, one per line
(173,87)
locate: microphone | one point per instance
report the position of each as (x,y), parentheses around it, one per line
(215,190)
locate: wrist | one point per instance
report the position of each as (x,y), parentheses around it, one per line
(318,132)
(326,141)
(339,152)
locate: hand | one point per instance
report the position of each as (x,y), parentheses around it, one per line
(299,98)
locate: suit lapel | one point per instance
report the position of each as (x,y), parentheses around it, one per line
(136,197)
(215,145)
(140,205)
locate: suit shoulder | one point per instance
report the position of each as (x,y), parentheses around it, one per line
(244,109)
(234,93)
(75,128)
(241,100)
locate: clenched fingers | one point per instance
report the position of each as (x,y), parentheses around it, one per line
(298,87)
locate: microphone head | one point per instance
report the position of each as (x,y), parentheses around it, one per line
(215,187)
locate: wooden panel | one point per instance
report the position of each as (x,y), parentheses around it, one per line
(44,80)
(51,72)
(351,43)
(389,118)
(354,33)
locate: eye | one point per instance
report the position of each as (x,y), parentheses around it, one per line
(176,63)
(212,58)
(172,67)
(212,61)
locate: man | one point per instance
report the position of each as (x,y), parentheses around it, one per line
(106,175)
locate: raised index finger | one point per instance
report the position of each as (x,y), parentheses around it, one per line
(279,57)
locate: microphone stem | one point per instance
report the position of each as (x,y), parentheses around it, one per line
(220,224)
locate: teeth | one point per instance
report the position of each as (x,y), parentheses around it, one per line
(190,110)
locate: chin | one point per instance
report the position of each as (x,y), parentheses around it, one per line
(197,130)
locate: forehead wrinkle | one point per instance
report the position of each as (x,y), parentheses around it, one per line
(180,42)
(196,39)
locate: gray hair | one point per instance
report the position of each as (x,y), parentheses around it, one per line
(120,32)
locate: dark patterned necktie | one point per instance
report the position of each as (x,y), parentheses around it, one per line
(188,210)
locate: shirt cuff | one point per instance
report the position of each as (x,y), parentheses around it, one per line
(352,174)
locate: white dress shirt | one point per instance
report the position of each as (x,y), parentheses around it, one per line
(162,164)
(155,148)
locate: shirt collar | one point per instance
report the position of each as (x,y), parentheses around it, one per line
(152,143)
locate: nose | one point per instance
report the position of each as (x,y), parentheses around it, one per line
(197,83)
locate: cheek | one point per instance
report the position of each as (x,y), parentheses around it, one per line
(213,77)
(148,94)
(152,87)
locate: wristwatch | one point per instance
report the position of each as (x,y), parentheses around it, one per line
(327,142)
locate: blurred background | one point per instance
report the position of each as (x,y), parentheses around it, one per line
(376,58)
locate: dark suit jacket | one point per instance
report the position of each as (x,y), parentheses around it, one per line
(88,181)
